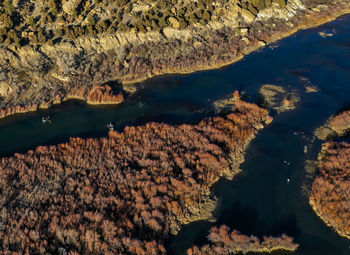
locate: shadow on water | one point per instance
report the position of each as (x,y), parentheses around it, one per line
(259,201)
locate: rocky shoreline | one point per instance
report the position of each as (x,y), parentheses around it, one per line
(37,77)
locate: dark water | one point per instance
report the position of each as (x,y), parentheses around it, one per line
(259,201)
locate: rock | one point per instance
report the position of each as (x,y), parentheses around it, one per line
(244,31)
(233,12)
(280,3)
(245,39)
(279,10)
(261,44)
(174,22)
(69,6)
(247,16)
(15,3)
(197,44)
(126,64)
(324,35)
(4,88)
(312,89)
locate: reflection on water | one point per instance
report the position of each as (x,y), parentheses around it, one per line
(260,200)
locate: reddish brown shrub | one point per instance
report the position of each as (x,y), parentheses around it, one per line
(341,122)
(121,194)
(225,242)
(104,95)
(331,189)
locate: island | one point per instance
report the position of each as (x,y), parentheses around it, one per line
(226,242)
(331,188)
(52,51)
(121,194)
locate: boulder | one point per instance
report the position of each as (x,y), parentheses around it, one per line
(174,22)
(247,16)
(69,6)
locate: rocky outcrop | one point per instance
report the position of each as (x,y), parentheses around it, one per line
(70,5)
(122,194)
(226,242)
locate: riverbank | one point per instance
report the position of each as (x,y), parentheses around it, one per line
(129,57)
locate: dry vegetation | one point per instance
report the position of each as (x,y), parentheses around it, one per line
(52,50)
(24,22)
(226,242)
(122,194)
(341,123)
(330,196)
(335,126)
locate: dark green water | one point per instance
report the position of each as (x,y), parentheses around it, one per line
(259,201)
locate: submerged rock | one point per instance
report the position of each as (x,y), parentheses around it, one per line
(278,98)
(309,87)
(324,34)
